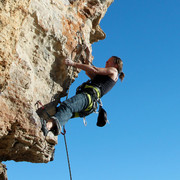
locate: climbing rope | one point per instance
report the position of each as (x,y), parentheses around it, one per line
(64,130)
(71,77)
(67,154)
(63,133)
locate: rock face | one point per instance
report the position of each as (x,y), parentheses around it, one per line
(35,37)
(3,174)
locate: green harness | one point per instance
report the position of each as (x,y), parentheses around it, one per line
(93,93)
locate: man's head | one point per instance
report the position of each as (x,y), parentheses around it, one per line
(110,63)
(116,62)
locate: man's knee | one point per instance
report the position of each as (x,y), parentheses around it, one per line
(65,106)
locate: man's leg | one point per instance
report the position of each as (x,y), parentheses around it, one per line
(77,103)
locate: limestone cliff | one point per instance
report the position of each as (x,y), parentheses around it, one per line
(35,37)
(3,174)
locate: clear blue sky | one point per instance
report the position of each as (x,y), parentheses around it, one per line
(142,140)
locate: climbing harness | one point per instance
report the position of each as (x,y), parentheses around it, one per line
(93,93)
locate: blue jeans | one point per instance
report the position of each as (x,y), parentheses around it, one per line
(77,103)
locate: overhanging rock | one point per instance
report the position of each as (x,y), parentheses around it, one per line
(36,36)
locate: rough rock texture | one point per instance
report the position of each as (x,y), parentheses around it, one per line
(35,37)
(3,173)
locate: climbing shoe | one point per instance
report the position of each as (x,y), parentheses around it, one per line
(56,127)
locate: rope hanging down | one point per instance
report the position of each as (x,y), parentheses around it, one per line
(83,47)
(64,130)
(64,134)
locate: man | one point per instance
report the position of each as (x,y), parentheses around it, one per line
(101,81)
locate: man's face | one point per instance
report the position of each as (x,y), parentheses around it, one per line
(110,62)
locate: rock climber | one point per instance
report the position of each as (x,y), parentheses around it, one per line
(101,81)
